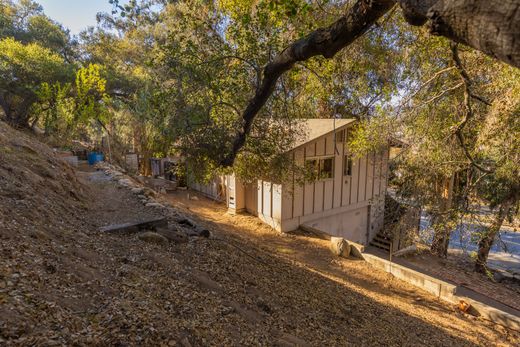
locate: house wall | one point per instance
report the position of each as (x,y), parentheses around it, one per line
(264,199)
(349,206)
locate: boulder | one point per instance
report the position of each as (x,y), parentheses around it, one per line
(137,190)
(153,237)
(339,246)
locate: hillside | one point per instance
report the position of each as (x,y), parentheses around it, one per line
(63,282)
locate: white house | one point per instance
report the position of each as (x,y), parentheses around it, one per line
(344,196)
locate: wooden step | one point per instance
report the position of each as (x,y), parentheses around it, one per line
(377,244)
(382,240)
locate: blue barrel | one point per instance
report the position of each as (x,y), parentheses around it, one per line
(94,157)
(91,158)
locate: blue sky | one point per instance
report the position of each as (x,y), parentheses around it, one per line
(75,14)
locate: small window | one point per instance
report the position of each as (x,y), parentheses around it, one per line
(347,165)
(326,168)
(311,169)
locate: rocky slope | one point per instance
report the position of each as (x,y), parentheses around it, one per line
(63,282)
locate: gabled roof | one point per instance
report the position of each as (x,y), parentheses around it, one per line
(315,128)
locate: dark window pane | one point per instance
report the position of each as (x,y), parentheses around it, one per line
(347,165)
(326,168)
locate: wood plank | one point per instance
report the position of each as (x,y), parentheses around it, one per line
(135,227)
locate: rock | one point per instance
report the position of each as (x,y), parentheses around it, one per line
(153,237)
(173,235)
(288,340)
(339,246)
(149,192)
(499,277)
(125,182)
(137,190)
(154,204)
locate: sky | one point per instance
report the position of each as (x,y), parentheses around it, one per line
(75,14)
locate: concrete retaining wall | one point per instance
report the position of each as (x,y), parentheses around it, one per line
(440,289)
(444,291)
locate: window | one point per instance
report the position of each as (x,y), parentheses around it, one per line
(326,168)
(319,169)
(347,165)
(311,169)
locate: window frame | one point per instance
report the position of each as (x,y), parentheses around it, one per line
(330,174)
(317,172)
(348,163)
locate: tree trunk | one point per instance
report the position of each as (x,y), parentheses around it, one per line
(488,237)
(441,240)
(442,228)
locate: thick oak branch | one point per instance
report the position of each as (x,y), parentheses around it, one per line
(491,26)
(326,42)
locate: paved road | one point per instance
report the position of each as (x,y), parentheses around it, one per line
(505,253)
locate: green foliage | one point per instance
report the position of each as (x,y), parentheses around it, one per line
(24,70)
(25,22)
(91,97)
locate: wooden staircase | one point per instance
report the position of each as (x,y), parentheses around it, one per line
(381,241)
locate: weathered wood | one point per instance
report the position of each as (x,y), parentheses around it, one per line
(200,232)
(135,227)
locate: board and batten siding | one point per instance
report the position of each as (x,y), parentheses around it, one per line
(323,198)
(322,195)
(351,206)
